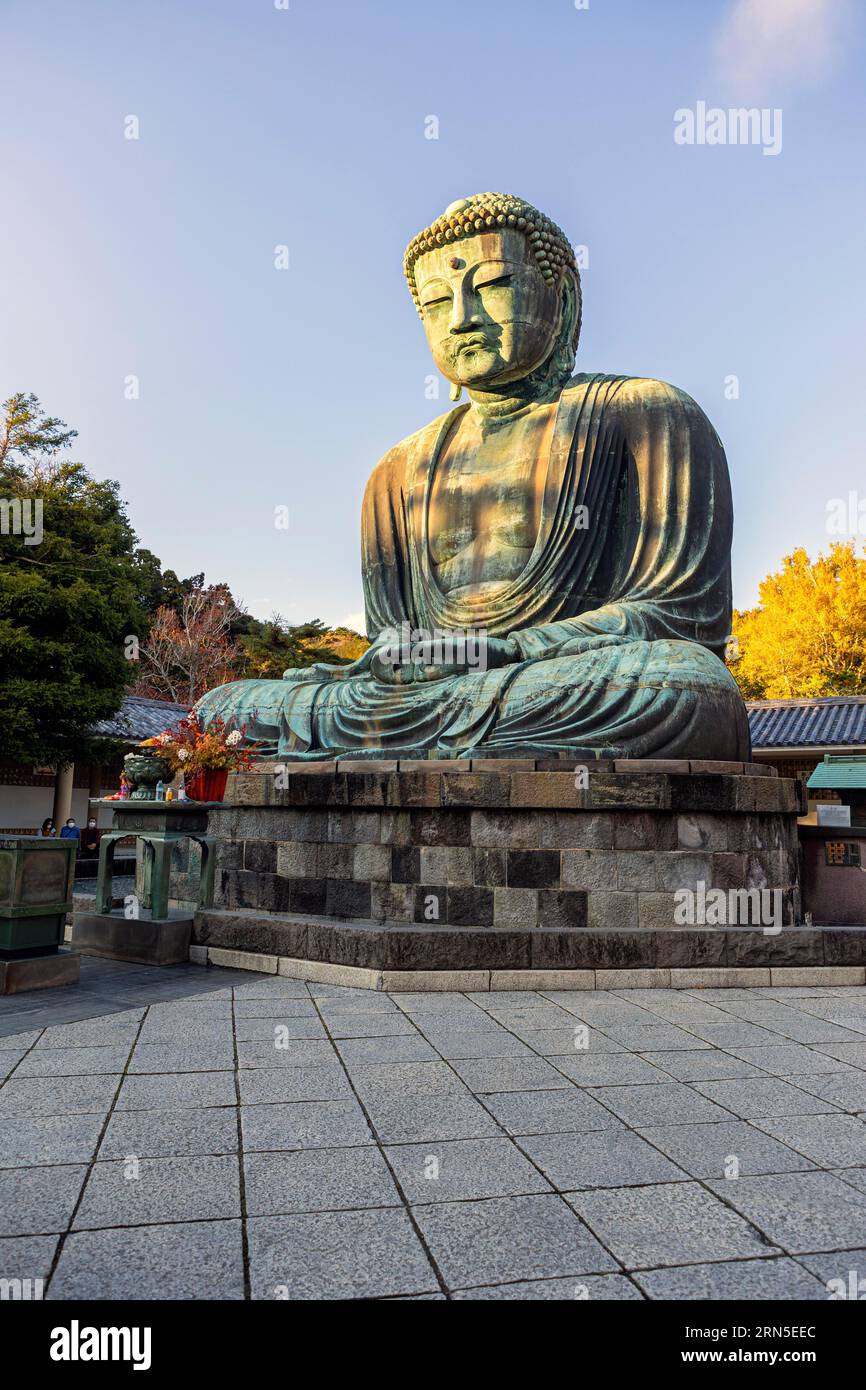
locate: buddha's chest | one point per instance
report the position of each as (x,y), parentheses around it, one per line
(485,500)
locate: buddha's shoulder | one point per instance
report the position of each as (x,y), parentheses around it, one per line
(392,465)
(630,396)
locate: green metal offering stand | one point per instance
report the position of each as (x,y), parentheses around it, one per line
(160,825)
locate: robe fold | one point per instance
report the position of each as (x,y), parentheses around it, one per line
(620,615)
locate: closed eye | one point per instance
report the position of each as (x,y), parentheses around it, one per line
(431,303)
(491,284)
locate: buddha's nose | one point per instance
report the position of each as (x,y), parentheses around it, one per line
(463,315)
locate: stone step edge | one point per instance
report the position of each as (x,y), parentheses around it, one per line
(694,767)
(397,981)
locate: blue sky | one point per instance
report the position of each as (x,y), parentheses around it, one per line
(258,127)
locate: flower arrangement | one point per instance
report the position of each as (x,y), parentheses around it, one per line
(189,748)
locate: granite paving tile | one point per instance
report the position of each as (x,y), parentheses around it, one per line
(57,1095)
(671,1224)
(485,1074)
(463,1169)
(286,1052)
(669,1103)
(416,1119)
(371,1026)
(166,1092)
(735,1034)
(27,1257)
(263,1029)
(38,1200)
(601,1158)
(609,1069)
(488,1043)
(113,1031)
(607,1287)
(505,1239)
(790,1059)
(151,1191)
(337,1255)
(313,1124)
(855,1177)
(778,1278)
(853,1053)
(286,1008)
(74,1061)
(565,1042)
(19,1042)
(189,1261)
(549,1112)
(710,1140)
(755,1096)
(727,1149)
(262,1085)
(317,1180)
(359,1052)
(711,1065)
(407,1079)
(47,1139)
(170,1133)
(831,1141)
(655,1037)
(841,1272)
(173,1058)
(801,1212)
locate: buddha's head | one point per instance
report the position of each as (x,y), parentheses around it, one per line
(498,291)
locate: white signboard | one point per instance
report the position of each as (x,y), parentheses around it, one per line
(831,814)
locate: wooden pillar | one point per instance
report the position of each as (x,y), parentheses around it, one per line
(62,795)
(95,781)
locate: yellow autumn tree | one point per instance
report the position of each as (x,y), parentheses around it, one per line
(807,636)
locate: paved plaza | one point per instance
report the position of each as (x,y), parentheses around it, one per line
(228,1137)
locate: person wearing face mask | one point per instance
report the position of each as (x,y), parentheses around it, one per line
(70,830)
(90,838)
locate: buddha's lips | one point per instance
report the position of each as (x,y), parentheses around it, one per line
(474,344)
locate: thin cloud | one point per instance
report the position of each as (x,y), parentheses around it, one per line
(764,43)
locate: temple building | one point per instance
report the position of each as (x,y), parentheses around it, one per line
(794,735)
(29,793)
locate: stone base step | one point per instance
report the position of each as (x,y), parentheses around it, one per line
(428,981)
(414,947)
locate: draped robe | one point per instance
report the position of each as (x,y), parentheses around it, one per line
(620,614)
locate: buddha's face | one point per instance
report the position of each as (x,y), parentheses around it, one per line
(489,314)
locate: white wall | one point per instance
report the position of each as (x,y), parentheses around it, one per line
(25,808)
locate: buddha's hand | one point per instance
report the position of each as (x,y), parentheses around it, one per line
(496,651)
(318,672)
(321,672)
(577,646)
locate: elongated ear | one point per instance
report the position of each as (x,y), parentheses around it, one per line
(569,330)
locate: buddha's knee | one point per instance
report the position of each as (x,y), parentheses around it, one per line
(258,702)
(686,662)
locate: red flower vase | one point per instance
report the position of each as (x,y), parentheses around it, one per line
(209,785)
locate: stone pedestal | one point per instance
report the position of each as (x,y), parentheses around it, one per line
(47,971)
(509,865)
(143,940)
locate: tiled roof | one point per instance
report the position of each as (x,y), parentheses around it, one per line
(834,721)
(839,772)
(138,718)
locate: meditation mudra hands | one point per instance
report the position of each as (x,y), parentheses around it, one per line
(377,662)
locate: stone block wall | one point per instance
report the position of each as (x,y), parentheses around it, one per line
(504,844)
